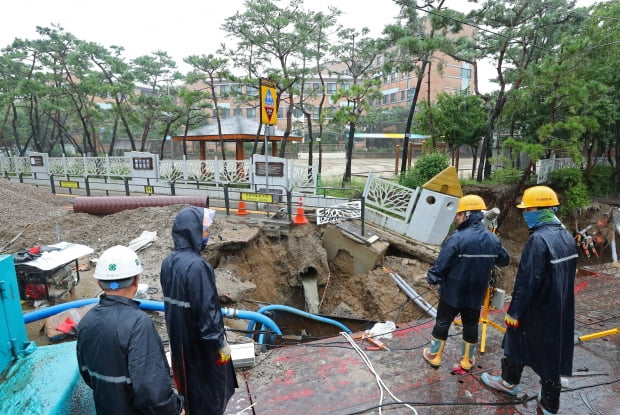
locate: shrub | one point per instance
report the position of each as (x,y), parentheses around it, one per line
(506,176)
(600,182)
(425,168)
(571,189)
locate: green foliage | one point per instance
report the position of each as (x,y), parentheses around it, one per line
(600,182)
(426,167)
(506,176)
(332,186)
(571,189)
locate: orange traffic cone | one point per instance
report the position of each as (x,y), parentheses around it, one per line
(242,211)
(300,217)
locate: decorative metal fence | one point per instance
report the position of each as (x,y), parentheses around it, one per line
(299,175)
(546,166)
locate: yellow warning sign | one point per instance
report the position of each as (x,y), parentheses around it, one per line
(268,107)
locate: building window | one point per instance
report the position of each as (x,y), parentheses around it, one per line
(465,73)
(410,93)
(346,86)
(393,97)
(250,90)
(251,113)
(331,87)
(385,99)
(224,89)
(402,95)
(394,76)
(379,60)
(315,113)
(317,86)
(237,111)
(224,112)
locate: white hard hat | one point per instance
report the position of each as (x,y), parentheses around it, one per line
(117,263)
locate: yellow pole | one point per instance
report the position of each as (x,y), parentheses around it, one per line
(484,319)
(599,334)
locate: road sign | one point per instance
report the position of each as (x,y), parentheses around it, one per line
(268,107)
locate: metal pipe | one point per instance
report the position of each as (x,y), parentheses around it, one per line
(106,205)
(413,295)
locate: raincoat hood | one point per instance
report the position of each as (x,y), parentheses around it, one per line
(187,229)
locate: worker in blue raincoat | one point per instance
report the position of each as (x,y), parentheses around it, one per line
(201,363)
(463,270)
(119,352)
(541,315)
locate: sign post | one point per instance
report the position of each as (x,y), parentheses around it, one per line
(268,114)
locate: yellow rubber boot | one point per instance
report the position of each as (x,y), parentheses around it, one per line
(433,354)
(467,359)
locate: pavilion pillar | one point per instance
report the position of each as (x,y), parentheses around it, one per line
(203,152)
(239,150)
(274,148)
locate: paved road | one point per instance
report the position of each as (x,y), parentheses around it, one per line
(333,165)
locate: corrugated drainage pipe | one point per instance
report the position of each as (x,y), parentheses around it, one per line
(106,205)
(298,312)
(149,305)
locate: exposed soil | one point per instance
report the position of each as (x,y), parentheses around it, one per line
(258,261)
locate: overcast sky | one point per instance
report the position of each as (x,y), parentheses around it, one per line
(179,27)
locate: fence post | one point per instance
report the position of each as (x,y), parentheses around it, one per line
(126,181)
(172,190)
(363,200)
(87,185)
(52,183)
(226,199)
(289,206)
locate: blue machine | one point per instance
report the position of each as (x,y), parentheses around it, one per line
(34,380)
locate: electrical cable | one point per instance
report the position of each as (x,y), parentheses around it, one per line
(382,386)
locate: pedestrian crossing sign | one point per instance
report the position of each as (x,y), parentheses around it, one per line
(268,107)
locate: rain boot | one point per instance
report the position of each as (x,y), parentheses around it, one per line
(433,354)
(499,384)
(549,398)
(467,359)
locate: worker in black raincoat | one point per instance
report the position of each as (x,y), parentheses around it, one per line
(463,270)
(119,352)
(201,363)
(541,315)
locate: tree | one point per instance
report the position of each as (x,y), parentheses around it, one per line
(415,39)
(459,119)
(208,69)
(315,50)
(269,33)
(357,53)
(157,72)
(517,35)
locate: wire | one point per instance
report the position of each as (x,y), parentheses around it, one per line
(382,386)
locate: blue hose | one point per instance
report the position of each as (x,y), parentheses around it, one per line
(149,305)
(55,309)
(298,312)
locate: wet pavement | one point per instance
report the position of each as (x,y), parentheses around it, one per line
(330,377)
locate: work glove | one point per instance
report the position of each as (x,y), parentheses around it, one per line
(224,352)
(510,322)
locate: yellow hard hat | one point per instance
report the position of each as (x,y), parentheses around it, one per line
(470,202)
(538,196)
